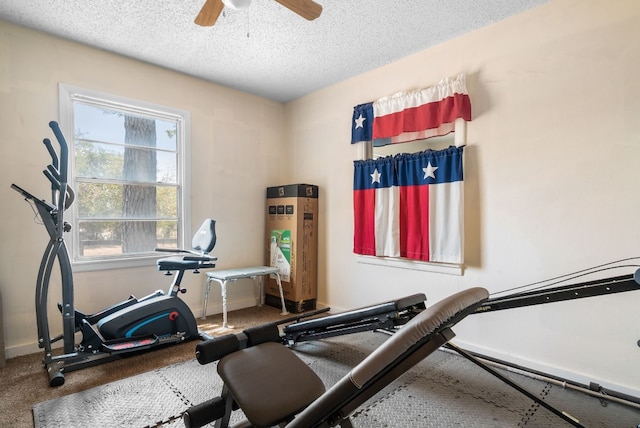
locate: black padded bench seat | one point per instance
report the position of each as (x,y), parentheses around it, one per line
(265,403)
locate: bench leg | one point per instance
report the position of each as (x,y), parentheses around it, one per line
(207,288)
(223,289)
(284,307)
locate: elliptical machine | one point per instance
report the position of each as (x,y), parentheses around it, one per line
(132,325)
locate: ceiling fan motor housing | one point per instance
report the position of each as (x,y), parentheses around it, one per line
(237,4)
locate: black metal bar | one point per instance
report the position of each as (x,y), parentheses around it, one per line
(303,315)
(563,415)
(340,330)
(600,287)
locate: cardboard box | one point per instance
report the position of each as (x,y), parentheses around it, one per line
(292,245)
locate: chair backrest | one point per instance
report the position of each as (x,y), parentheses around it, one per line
(205,238)
(421,336)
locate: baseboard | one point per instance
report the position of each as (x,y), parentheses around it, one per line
(213,309)
(551,371)
(235,305)
(19,350)
(32,347)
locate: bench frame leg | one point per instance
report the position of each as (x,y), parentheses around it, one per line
(223,290)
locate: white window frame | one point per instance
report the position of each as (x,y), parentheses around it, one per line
(69,94)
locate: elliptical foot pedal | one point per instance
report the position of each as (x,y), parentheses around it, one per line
(130,344)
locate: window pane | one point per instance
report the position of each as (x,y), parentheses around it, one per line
(167,135)
(108,239)
(106,161)
(99,200)
(168,234)
(100,239)
(167,202)
(99,123)
(139,202)
(167,168)
(107,201)
(140,164)
(95,160)
(148,166)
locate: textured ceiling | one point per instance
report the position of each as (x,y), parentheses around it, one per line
(265,50)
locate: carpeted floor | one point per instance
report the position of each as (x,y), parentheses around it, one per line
(23,381)
(442,391)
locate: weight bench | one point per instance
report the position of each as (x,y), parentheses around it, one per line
(223,277)
(257,371)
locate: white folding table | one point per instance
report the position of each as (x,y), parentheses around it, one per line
(223,277)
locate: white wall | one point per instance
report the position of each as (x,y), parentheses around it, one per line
(237,145)
(550,187)
(551,173)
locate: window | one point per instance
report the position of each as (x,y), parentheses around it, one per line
(403,209)
(127,168)
(368,151)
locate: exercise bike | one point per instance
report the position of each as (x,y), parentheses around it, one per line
(130,326)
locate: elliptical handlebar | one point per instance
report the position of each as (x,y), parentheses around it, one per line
(62,195)
(52,170)
(53,176)
(57,171)
(52,153)
(63,164)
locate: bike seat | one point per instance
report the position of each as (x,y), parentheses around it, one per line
(186,263)
(202,243)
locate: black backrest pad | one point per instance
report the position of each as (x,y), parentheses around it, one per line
(445,313)
(205,238)
(410,340)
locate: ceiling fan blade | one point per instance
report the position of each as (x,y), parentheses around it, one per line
(209,13)
(308,9)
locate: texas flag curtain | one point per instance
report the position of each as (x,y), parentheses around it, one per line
(412,115)
(376,204)
(410,205)
(362,123)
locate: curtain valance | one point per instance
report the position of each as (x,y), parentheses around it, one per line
(412,115)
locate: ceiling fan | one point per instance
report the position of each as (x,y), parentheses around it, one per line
(308,9)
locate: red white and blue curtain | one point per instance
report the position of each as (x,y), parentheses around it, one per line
(412,115)
(411,205)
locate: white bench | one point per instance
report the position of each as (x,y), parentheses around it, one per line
(223,277)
